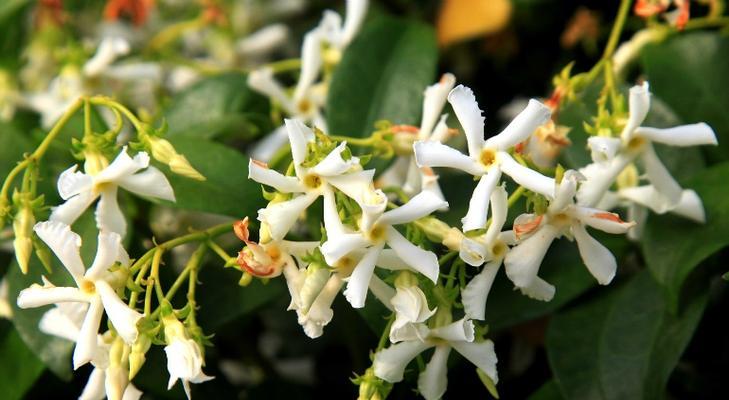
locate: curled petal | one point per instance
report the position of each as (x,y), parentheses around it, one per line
(598,259)
(423,204)
(334,164)
(539,289)
(475,294)
(94,389)
(602,220)
(108,251)
(473,252)
(499,211)
(280,217)
(469,115)
(72,182)
(683,135)
(458,331)
(356,12)
(480,354)
(638,104)
(598,178)
(389,364)
(564,192)
(260,173)
(124,318)
(526,224)
(423,261)
(523,260)
(71,209)
(299,137)
(520,128)
(359,281)
(123,166)
(433,381)
(478,206)
(603,149)
(690,207)
(64,243)
(310,64)
(436,154)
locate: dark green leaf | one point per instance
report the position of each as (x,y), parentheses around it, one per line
(622,345)
(219,105)
(227,190)
(548,391)
(673,246)
(689,72)
(382,76)
(19,368)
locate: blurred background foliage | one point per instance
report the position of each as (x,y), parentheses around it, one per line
(655,332)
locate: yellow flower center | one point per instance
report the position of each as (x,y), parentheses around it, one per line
(377,233)
(636,143)
(487,157)
(560,219)
(304,106)
(312,181)
(87,286)
(499,249)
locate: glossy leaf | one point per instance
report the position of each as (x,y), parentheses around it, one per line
(19,368)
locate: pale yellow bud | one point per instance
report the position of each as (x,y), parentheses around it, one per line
(179,165)
(94,162)
(162,150)
(174,329)
(23,244)
(137,357)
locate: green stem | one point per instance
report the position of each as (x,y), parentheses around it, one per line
(285,65)
(385,333)
(617,29)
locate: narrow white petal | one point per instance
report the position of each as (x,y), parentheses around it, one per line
(526,177)
(310,64)
(602,220)
(389,259)
(598,178)
(299,136)
(480,354)
(440,133)
(266,147)
(124,318)
(457,331)
(598,259)
(94,389)
(389,364)
(539,289)
(266,176)
(280,217)
(64,243)
(123,166)
(334,164)
(109,250)
(470,116)
(564,193)
(86,343)
(475,294)
(603,149)
(647,196)
(660,177)
(109,50)
(423,261)
(320,313)
(395,174)
(523,260)
(263,41)
(64,321)
(109,216)
(149,183)
(359,281)
(690,207)
(356,12)
(434,99)
(638,105)
(522,126)
(436,154)
(71,209)
(72,182)
(38,296)
(499,211)
(478,206)
(473,252)
(382,291)
(263,81)
(423,204)
(338,246)
(683,135)
(433,381)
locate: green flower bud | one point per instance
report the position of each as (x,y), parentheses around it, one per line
(23,243)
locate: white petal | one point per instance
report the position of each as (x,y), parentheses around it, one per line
(475,294)
(526,177)
(480,354)
(356,12)
(598,259)
(423,204)
(266,176)
(334,164)
(64,243)
(263,81)
(522,126)
(602,220)
(598,178)
(539,289)
(411,305)
(639,214)
(389,259)
(132,393)
(124,318)
(71,209)
(647,196)
(38,296)
(63,321)
(109,250)
(86,342)
(262,41)
(478,206)
(638,104)
(109,50)
(469,115)
(265,148)
(359,281)
(433,381)
(457,331)
(109,216)
(523,260)
(381,290)
(72,182)
(690,207)
(280,217)
(603,149)
(683,135)
(473,252)
(321,313)
(299,137)
(436,154)
(564,192)
(408,332)
(338,246)
(440,133)
(94,389)
(395,174)
(389,364)
(310,64)
(660,177)
(499,211)
(122,166)
(149,183)
(423,261)
(434,99)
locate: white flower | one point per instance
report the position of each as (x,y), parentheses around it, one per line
(110,48)
(411,307)
(487,158)
(184,357)
(262,41)
(612,155)
(309,182)
(375,231)
(563,217)
(93,287)
(337,35)
(389,364)
(80,189)
(6,310)
(61,93)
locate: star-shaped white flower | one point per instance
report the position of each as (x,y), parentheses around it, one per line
(93,286)
(184,357)
(80,189)
(389,364)
(563,218)
(487,159)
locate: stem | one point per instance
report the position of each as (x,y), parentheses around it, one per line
(385,333)
(87,117)
(105,101)
(156,260)
(219,251)
(617,29)
(285,65)
(515,196)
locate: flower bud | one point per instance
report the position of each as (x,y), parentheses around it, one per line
(137,357)
(23,243)
(163,151)
(94,162)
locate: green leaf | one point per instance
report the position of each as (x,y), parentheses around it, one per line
(218,105)
(53,351)
(548,391)
(622,345)
(673,247)
(689,72)
(12,146)
(382,75)
(227,190)
(19,369)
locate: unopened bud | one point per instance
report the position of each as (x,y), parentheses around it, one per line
(174,329)
(163,151)
(23,243)
(137,357)
(245,279)
(179,165)
(94,162)
(405,279)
